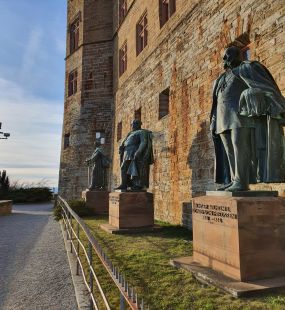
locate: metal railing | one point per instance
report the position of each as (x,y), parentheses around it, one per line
(73,223)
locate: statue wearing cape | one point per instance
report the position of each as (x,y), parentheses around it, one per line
(136,156)
(264,104)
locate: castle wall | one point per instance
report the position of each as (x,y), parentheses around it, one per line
(186,54)
(90,109)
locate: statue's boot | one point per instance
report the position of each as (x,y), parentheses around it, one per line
(122,186)
(224,187)
(136,188)
(237,187)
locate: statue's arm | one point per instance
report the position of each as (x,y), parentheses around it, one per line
(142,145)
(213,114)
(93,158)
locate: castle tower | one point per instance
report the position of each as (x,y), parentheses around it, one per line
(88,90)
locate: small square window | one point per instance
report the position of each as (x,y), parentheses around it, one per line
(119,131)
(66,141)
(142,33)
(166,9)
(123,59)
(163,103)
(138,114)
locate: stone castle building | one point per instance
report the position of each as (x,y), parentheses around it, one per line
(156,60)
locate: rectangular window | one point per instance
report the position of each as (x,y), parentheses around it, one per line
(66,142)
(166,9)
(72,83)
(123,9)
(138,114)
(74,36)
(163,103)
(123,59)
(142,33)
(119,131)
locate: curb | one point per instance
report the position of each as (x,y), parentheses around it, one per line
(81,292)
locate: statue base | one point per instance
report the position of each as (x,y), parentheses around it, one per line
(131,211)
(97,201)
(241,238)
(5,207)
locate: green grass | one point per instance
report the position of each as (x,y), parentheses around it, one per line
(144,260)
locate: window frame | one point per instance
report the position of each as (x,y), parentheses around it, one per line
(166,9)
(163,108)
(74,32)
(66,141)
(72,83)
(119,131)
(123,58)
(123,10)
(142,33)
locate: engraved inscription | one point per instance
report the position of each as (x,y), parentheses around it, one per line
(114,199)
(213,213)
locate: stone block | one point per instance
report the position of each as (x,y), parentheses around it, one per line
(5,207)
(97,201)
(131,210)
(240,237)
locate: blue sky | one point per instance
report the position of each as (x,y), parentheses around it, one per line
(32,55)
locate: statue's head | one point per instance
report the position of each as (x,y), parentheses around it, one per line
(232,57)
(136,124)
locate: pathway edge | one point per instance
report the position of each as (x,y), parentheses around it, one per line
(81,292)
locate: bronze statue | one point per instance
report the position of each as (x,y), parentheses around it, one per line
(99,163)
(247,119)
(136,156)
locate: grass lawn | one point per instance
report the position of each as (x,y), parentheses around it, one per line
(144,260)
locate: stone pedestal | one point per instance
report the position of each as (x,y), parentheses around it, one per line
(241,237)
(130,211)
(97,201)
(5,207)
(238,242)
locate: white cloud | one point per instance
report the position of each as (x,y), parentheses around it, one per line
(31,53)
(32,152)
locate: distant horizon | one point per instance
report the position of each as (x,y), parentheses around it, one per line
(32,70)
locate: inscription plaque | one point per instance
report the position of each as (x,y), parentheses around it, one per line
(214,213)
(240,236)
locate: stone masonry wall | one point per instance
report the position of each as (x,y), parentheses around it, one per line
(90,109)
(186,54)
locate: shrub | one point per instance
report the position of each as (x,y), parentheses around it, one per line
(4,183)
(33,194)
(77,205)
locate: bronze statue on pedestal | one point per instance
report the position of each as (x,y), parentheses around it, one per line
(99,164)
(136,155)
(247,119)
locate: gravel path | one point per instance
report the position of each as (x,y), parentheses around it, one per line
(34,271)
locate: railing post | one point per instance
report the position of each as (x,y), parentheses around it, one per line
(90,275)
(71,233)
(122,302)
(78,249)
(66,220)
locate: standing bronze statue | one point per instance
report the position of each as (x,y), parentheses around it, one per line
(99,163)
(247,119)
(136,155)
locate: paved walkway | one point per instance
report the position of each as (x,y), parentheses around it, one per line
(34,271)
